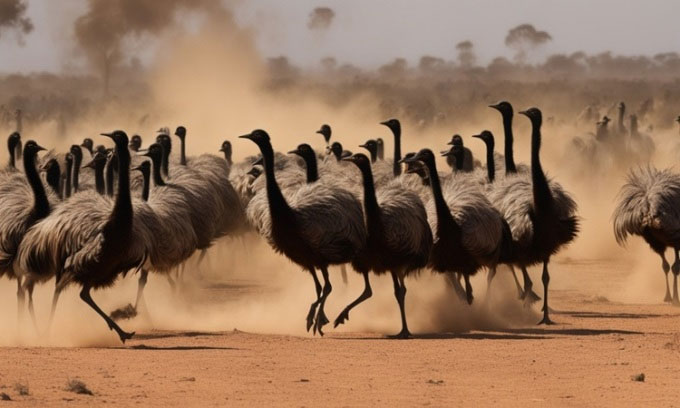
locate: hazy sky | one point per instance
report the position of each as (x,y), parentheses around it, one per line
(370,32)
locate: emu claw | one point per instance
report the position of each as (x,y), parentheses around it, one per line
(546,320)
(403,334)
(321,320)
(125,335)
(342,317)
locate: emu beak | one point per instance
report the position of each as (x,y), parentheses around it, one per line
(40,148)
(347,159)
(294,152)
(525,113)
(447,153)
(142,153)
(477,136)
(385,123)
(221,149)
(364,146)
(109,135)
(319,132)
(248,136)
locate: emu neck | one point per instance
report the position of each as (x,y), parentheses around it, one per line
(76,172)
(145,187)
(121,217)
(381,152)
(156,169)
(41,207)
(374,155)
(227,157)
(397,152)
(510,167)
(460,159)
(12,159)
(278,207)
(371,207)
(622,113)
(109,178)
(444,217)
(312,170)
(182,152)
(165,161)
(53,178)
(541,190)
(99,178)
(67,183)
(490,162)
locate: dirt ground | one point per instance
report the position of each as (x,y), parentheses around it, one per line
(588,358)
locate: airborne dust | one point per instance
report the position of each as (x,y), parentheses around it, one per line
(150,64)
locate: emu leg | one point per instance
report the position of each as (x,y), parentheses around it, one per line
(676,270)
(29,289)
(529,297)
(546,280)
(143,277)
(21,300)
(468,289)
(400,294)
(312,308)
(520,292)
(666,268)
(453,279)
(489,279)
(55,298)
(85,296)
(367,293)
(321,319)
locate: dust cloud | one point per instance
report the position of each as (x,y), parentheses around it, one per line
(206,73)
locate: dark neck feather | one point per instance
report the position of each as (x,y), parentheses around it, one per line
(490,161)
(99,178)
(444,217)
(109,177)
(460,159)
(41,207)
(156,169)
(76,172)
(312,170)
(278,207)
(121,217)
(374,155)
(371,207)
(12,160)
(165,161)
(67,183)
(145,187)
(541,189)
(182,152)
(509,154)
(53,178)
(397,152)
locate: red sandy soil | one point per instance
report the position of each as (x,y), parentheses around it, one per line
(587,359)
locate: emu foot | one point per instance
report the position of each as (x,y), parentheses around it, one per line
(403,334)
(341,319)
(311,314)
